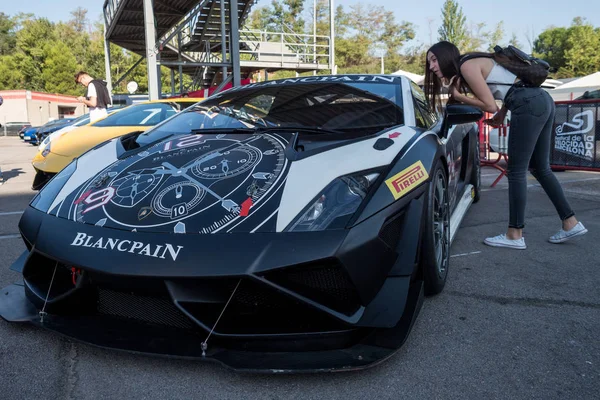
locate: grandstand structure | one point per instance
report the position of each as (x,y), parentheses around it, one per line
(203,39)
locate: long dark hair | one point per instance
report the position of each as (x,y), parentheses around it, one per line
(448,58)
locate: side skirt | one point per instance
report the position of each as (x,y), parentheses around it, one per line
(460,211)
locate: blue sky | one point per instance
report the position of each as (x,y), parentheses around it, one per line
(520,16)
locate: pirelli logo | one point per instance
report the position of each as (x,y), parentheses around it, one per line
(406,180)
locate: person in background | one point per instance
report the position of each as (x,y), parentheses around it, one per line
(532,117)
(97,97)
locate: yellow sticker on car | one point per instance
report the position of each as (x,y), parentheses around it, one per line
(407,179)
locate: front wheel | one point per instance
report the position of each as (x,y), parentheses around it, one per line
(435,256)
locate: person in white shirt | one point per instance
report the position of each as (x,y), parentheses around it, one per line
(97,97)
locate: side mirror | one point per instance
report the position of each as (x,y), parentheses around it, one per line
(457,114)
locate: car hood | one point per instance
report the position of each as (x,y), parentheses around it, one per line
(210,183)
(81,139)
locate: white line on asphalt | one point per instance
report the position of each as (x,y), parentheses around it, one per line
(10,213)
(465,254)
(537,184)
(10,237)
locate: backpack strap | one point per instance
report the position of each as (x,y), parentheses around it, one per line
(468,57)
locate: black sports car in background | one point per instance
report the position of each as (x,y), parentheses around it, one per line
(290,225)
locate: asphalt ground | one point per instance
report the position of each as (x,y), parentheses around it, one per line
(509,325)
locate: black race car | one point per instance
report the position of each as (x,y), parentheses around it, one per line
(289,225)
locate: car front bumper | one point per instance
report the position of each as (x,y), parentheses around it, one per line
(272,302)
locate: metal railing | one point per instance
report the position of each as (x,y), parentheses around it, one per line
(110,9)
(286,47)
(267,46)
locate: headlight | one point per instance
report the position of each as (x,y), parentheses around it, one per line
(335,205)
(45,143)
(46,196)
(46,150)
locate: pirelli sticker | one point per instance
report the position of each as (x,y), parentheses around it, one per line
(406,180)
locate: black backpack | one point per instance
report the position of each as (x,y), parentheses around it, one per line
(530,70)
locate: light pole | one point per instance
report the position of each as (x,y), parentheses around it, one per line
(332,37)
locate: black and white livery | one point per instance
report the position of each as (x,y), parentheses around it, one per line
(282,226)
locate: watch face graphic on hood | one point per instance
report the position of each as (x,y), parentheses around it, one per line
(189,184)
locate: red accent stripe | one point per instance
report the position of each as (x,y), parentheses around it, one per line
(83,197)
(39,96)
(246,207)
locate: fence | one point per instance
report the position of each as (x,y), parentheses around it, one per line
(575,139)
(493,146)
(576,136)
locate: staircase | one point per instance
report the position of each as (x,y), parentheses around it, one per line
(201,43)
(205,27)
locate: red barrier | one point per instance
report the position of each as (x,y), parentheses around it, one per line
(489,156)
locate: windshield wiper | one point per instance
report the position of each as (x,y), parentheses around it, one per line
(258,129)
(221,130)
(312,129)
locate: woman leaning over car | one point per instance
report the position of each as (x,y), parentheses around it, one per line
(532,116)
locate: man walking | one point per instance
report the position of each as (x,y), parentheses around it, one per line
(97,97)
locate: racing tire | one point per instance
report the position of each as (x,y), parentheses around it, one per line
(476,174)
(435,249)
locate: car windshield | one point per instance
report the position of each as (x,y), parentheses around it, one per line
(146,114)
(352,108)
(590,95)
(85,118)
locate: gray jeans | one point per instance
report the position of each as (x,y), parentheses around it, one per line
(531,124)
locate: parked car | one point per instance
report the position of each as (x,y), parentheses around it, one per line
(290,225)
(138,117)
(22,131)
(590,95)
(81,121)
(30,135)
(43,132)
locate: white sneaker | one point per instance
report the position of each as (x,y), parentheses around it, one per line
(563,236)
(502,241)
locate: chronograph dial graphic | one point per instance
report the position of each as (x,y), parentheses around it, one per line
(193,183)
(228,163)
(177,200)
(134,187)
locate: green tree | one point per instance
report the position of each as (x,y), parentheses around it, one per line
(573,51)
(286,15)
(394,34)
(368,29)
(79,22)
(30,58)
(454,28)
(8,39)
(258,19)
(10,74)
(581,54)
(551,45)
(495,37)
(59,66)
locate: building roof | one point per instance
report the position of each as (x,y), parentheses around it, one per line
(30,95)
(592,80)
